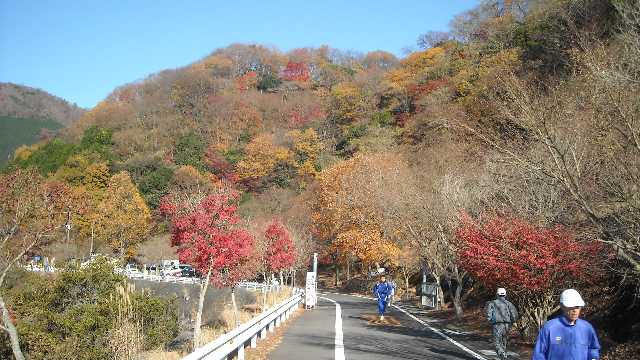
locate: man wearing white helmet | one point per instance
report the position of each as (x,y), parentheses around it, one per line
(567,337)
(501,313)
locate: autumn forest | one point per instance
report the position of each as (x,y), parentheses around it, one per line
(505,152)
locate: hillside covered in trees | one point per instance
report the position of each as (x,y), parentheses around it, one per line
(504,152)
(29,115)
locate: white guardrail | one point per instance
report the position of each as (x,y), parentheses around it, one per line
(248,333)
(253,285)
(249,285)
(167,278)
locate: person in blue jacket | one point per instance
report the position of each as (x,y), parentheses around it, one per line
(382,291)
(567,337)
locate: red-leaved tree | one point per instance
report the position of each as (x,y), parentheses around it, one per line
(206,234)
(534,263)
(296,71)
(280,251)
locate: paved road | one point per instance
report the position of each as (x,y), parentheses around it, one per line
(314,335)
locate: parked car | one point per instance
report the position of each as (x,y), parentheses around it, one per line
(171,271)
(187,271)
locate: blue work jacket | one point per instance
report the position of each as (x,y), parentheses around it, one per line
(558,340)
(382,290)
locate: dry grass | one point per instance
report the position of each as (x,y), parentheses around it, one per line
(273,298)
(227,318)
(161,354)
(125,339)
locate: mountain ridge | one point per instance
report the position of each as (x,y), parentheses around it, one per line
(20,101)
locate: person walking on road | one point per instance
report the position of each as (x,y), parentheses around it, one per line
(501,313)
(382,291)
(393,291)
(567,337)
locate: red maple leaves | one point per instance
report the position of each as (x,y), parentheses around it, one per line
(512,253)
(207,237)
(296,71)
(280,249)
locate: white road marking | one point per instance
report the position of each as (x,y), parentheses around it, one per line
(339,354)
(444,336)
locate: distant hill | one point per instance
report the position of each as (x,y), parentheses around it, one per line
(19,131)
(28,115)
(24,102)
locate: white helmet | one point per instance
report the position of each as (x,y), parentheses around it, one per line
(501,292)
(571,298)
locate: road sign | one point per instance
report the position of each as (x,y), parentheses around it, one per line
(310,290)
(429,295)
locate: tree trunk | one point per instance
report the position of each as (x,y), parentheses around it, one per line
(293,279)
(406,281)
(337,275)
(11,329)
(348,270)
(439,298)
(455,297)
(457,301)
(281,279)
(196,330)
(236,320)
(264,298)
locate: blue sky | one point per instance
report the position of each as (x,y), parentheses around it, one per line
(81,50)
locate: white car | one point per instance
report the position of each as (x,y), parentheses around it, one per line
(171,272)
(133,273)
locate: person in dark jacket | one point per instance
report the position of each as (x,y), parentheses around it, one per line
(382,291)
(501,313)
(567,337)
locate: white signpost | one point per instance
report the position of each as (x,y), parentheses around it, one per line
(310,291)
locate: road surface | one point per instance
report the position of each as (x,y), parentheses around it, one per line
(346,327)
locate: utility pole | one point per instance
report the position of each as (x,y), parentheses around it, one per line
(67,227)
(315,263)
(91,247)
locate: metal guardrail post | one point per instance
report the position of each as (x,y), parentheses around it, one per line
(234,342)
(241,352)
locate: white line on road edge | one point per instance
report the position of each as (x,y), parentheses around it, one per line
(339,337)
(471,352)
(444,336)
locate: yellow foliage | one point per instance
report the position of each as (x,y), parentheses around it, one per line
(307,147)
(122,220)
(476,81)
(25,151)
(85,210)
(365,244)
(416,66)
(420,60)
(398,78)
(262,156)
(81,170)
(347,102)
(96,176)
(188,180)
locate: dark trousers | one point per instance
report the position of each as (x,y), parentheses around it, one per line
(500,338)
